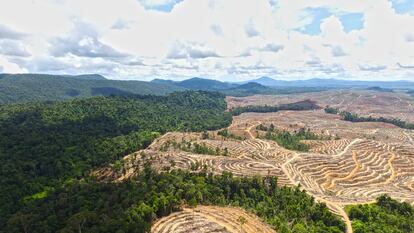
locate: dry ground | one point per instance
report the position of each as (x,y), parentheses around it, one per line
(364,102)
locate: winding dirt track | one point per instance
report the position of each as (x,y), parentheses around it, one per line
(338,210)
(347,147)
(409,137)
(249,129)
(331,183)
(393,171)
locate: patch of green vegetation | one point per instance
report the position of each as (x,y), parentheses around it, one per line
(202,149)
(290,140)
(225,133)
(384,216)
(380,89)
(197,148)
(331,110)
(39,195)
(297,106)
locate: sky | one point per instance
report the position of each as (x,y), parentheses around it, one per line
(229,40)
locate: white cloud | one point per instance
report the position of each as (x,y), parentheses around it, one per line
(13,48)
(9,67)
(82,41)
(374,68)
(227,39)
(190,50)
(250,29)
(8,33)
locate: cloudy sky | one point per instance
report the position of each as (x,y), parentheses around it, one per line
(222,39)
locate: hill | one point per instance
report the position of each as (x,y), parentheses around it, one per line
(87,76)
(42,87)
(199,84)
(204,84)
(250,88)
(163,81)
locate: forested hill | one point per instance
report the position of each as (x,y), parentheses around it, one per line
(45,145)
(16,88)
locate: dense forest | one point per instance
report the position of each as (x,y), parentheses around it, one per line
(45,145)
(131,206)
(384,216)
(18,88)
(353,117)
(297,106)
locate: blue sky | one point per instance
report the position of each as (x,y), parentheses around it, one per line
(222,39)
(403,6)
(350,21)
(164,6)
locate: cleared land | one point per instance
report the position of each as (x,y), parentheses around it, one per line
(211,219)
(363,102)
(360,162)
(245,157)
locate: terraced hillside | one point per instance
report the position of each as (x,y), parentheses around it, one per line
(210,219)
(244,157)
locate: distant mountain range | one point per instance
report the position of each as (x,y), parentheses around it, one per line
(235,89)
(42,87)
(266,85)
(266,82)
(199,84)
